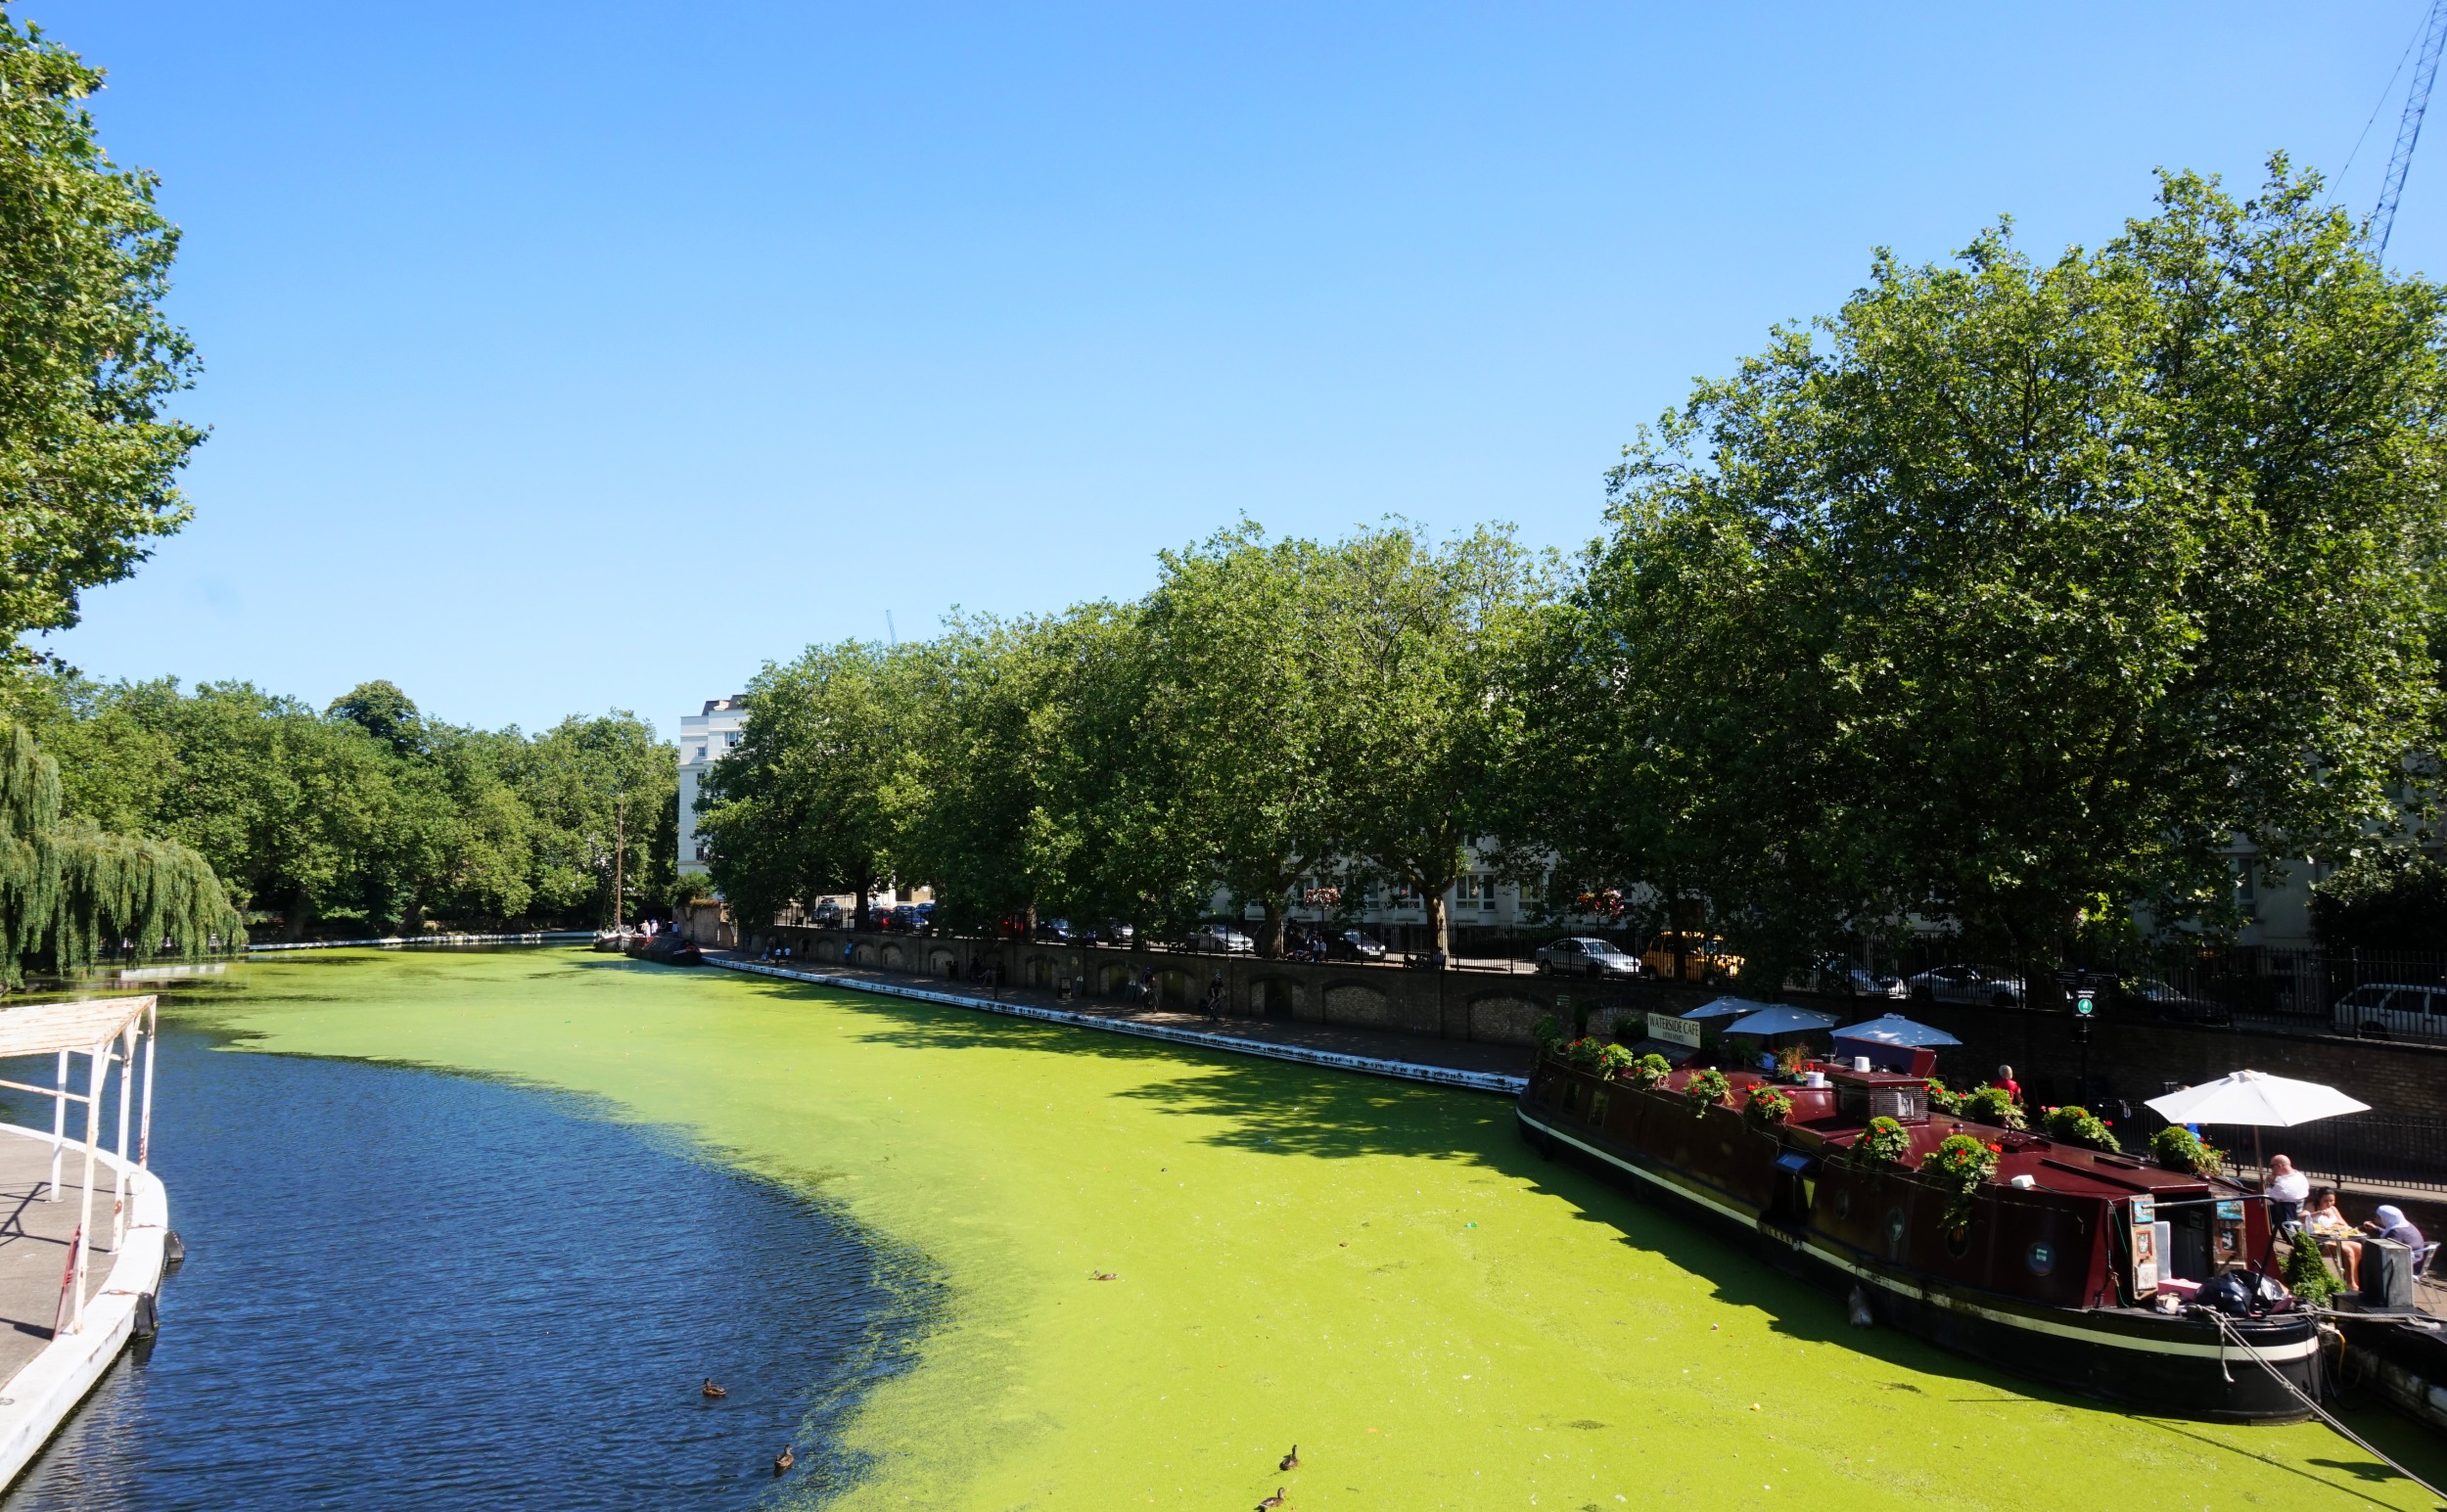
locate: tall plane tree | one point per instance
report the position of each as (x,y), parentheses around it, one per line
(1240,651)
(1426,647)
(813,798)
(2069,572)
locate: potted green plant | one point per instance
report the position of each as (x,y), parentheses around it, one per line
(2177,1148)
(1994,1105)
(1960,1163)
(1884,1142)
(2306,1274)
(1650,1070)
(1766,1107)
(1942,1099)
(1706,1089)
(2071,1125)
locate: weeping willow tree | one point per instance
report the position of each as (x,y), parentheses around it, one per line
(67,890)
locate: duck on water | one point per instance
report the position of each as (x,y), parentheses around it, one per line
(2049,1268)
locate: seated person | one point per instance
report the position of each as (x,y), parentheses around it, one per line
(2287,1190)
(2321,1219)
(2391,1224)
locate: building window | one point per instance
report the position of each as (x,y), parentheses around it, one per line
(1476,891)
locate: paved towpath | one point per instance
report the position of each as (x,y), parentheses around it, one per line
(1410,1057)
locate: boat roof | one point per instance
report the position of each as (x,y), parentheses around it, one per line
(2053,1164)
(44,1029)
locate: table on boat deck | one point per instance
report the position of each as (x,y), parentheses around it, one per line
(34,1234)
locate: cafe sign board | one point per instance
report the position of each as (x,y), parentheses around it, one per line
(1674,1030)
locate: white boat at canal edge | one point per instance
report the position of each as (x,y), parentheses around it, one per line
(90,1327)
(36,1402)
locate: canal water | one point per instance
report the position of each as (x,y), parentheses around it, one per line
(408,1289)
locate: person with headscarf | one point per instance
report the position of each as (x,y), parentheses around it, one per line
(2391,1224)
(2287,1190)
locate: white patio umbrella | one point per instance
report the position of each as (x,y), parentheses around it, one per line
(2256,1098)
(1896,1029)
(1777,1019)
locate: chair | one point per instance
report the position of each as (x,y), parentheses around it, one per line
(2421,1262)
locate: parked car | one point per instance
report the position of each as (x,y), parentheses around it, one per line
(2150,996)
(2383,1010)
(1352,945)
(1966,985)
(1057,931)
(1698,957)
(902,920)
(1222,940)
(1835,975)
(826,914)
(1582,955)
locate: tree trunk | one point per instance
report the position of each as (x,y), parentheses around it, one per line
(1437,922)
(297,916)
(861,918)
(1270,932)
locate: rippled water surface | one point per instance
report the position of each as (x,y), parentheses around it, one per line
(407,1288)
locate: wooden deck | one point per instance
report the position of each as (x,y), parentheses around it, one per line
(34,1234)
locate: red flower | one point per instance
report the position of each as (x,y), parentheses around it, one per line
(1997,1148)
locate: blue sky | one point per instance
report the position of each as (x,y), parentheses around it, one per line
(565,357)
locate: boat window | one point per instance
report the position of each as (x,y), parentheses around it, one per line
(1843,1202)
(2041,1256)
(1894,1227)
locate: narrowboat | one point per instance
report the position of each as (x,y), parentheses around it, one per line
(2068,1266)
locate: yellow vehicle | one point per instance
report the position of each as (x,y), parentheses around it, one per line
(1704,957)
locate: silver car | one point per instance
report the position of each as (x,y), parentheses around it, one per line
(1222,940)
(1583,956)
(1966,985)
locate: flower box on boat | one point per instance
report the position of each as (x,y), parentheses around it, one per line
(2055,1276)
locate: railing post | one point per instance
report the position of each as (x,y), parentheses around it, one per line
(58,1125)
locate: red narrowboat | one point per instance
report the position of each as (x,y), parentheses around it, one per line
(2067,1266)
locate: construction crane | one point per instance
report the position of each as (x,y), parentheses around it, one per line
(2409,129)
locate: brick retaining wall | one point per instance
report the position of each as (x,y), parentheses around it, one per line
(2132,1059)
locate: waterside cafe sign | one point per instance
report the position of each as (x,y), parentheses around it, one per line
(1672,1031)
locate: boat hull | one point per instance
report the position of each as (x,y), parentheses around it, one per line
(2167,1367)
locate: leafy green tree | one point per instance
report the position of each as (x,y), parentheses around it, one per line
(370,814)
(69,890)
(603,794)
(2060,574)
(1240,640)
(813,798)
(87,359)
(1426,644)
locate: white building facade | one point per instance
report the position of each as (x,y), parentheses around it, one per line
(703,738)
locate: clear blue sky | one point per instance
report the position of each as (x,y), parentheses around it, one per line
(575,357)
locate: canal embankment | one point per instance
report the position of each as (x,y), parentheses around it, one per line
(1478,1068)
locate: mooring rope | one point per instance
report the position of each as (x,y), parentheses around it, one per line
(2228,1333)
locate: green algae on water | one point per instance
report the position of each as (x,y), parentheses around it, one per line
(1379,1272)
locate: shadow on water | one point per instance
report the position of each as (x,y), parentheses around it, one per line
(409,1289)
(1282,1108)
